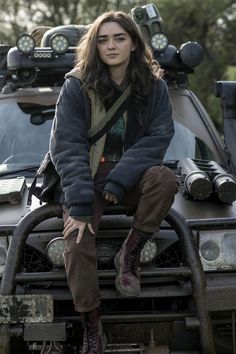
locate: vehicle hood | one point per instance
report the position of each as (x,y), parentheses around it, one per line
(10,215)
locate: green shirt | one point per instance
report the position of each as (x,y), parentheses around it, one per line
(114,144)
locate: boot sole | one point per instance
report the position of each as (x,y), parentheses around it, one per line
(120,289)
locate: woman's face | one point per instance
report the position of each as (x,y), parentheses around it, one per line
(114,45)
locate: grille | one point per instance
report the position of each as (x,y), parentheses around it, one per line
(171,257)
(125,348)
(34,261)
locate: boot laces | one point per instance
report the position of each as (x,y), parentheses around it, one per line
(92,336)
(85,341)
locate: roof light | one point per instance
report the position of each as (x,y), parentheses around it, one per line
(159,41)
(150,22)
(25,43)
(59,43)
(191,54)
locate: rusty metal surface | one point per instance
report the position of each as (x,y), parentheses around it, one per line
(26,308)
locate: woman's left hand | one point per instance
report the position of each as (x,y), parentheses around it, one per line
(110,197)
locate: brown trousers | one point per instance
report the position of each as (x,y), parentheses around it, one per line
(152,197)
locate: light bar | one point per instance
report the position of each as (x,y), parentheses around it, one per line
(42,54)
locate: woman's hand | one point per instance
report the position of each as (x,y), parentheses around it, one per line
(72,224)
(110,197)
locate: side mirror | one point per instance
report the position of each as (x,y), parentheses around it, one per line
(226,90)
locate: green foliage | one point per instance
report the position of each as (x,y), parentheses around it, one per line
(231,73)
(12,20)
(18,16)
(212,23)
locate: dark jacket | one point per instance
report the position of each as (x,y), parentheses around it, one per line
(144,144)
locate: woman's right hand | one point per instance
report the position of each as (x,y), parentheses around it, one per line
(72,224)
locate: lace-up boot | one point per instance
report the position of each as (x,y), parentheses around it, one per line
(127,264)
(94,338)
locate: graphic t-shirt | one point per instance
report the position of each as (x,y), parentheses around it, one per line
(114,143)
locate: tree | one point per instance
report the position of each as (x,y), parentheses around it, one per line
(213,25)
(12,20)
(18,16)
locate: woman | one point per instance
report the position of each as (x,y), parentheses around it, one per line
(111,55)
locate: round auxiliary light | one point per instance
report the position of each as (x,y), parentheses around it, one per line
(210,251)
(25,43)
(55,249)
(191,54)
(59,43)
(148,252)
(159,41)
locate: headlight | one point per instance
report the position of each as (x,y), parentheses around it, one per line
(148,252)
(159,41)
(55,249)
(218,249)
(59,43)
(210,251)
(25,43)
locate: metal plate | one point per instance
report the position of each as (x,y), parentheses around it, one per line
(127,348)
(55,332)
(11,189)
(26,308)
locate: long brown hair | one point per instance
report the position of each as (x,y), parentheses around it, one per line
(142,69)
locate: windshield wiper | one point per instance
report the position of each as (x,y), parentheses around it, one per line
(40,117)
(170,163)
(30,168)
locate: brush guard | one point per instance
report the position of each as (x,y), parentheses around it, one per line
(202,320)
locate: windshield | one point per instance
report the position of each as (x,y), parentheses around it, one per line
(186,144)
(23,136)
(25,132)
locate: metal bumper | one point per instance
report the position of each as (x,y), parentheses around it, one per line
(26,308)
